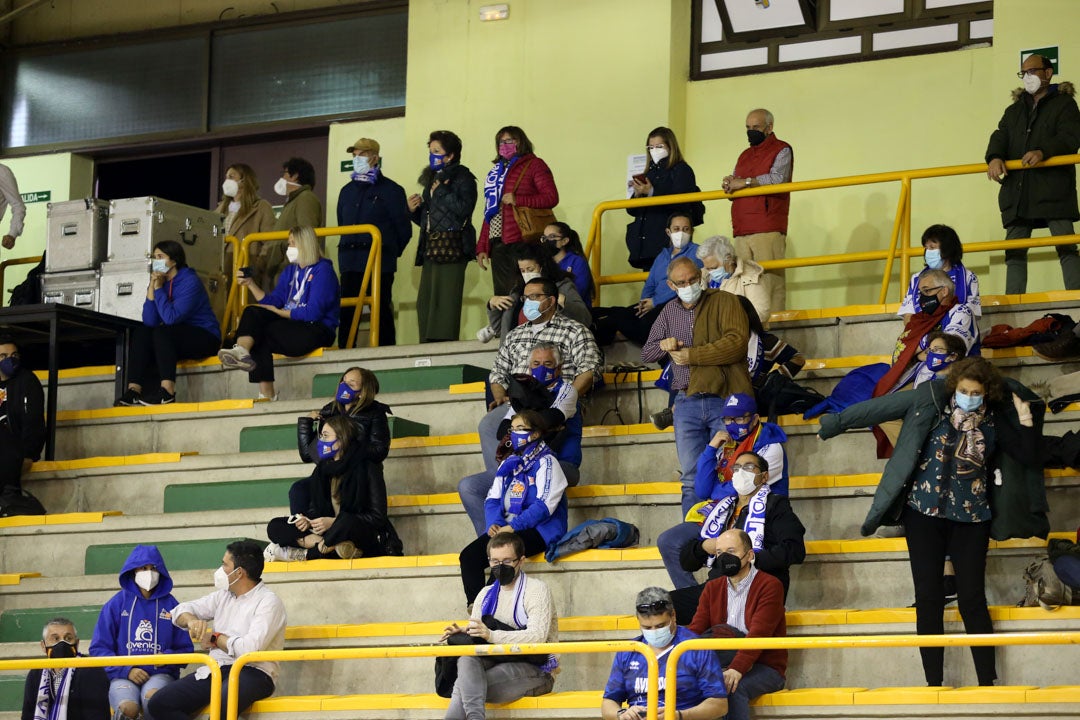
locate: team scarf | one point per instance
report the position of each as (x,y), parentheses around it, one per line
(53,704)
(491,601)
(514,470)
(493,187)
(367,177)
(754,525)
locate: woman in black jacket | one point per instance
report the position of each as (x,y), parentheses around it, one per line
(347,513)
(666,174)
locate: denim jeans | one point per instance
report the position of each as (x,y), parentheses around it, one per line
(758,680)
(697,418)
(671,543)
(1016,260)
(123,690)
(480,680)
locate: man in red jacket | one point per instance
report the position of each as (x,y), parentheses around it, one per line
(759,223)
(749,603)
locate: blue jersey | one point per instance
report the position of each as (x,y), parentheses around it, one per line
(699,677)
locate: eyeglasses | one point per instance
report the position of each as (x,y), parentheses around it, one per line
(931,290)
(741,419)
(686,283)
(551,238)
(536,296)
(747,466)
(654,608)
(1029,71)
(505,563)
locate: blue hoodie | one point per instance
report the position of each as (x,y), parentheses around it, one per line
(320,299)
(182,300)
(130,624)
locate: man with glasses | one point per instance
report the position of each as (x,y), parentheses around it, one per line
(705,334)
(22,418)
(1043,121)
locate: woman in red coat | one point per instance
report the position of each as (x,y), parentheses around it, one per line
(517,178)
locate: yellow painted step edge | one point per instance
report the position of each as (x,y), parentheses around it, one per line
(59,519)
(16,578)
(107,461)
(170,409)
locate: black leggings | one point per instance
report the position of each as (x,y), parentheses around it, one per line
(155,350)
(275,334)
(281,532)
(929,540)
(474,559)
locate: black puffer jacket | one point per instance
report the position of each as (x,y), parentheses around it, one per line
(362,511)
(25,407)
(1052,126)
(372,431)
(450,207)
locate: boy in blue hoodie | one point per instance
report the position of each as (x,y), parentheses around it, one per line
(136,621)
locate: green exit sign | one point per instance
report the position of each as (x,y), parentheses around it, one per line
(346,166)
(36,197)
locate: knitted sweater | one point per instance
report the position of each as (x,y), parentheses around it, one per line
(764,618)
(543,625)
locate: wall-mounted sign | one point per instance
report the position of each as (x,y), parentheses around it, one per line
(36,197)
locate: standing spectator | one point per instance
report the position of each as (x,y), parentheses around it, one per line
(519,177)
(64,693)
(302,208)
(22,417)
(942,251)
(527,497)
(131,623)
(371,198)
(1043,121)
(178,324)
(634,322)
(513,609)
(760,222)
(751,603)
(563,244)
(245,213)
(667,173)
(700,694)
(242,615)
(705,334)
(299,316)
(940,484)
(10,197)
(737,275)
(447,237)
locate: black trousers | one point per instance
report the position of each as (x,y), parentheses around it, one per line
(504,268)
(365,537)
(11,458)
(275,334)
(685,601)
(350,285)
(183,699)
(609,320)
(929,540)
(474,560)
(156,350)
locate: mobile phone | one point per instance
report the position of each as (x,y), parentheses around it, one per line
(246,271)
(640,177)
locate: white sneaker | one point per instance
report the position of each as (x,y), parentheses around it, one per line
(486,334)
(274,552)
(267,398)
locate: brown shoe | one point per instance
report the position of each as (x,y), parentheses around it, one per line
(347,550)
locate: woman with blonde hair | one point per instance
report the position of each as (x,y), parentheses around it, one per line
(245,212)
(299,316)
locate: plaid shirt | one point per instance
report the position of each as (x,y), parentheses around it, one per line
(576,343)
(677,322)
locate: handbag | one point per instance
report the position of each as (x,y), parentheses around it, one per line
(531,221)
(446,669)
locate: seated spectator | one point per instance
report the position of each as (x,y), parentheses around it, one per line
(776,533)
(299,316)
(59,693)
(634,322)
(23,402)
(745,603)
(737,275)
(506,312)
(943,251)
(700,694)
(942,350)
(514,609)
(347,513)
(178,324)
(527,497)
(131,623)
(545,390)
(564,245)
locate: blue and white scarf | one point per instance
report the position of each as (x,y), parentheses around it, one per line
(717,517)
(514,470)
(367,177)
(521,618)
(52,700)
(493,187)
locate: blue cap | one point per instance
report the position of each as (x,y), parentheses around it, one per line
(738,405)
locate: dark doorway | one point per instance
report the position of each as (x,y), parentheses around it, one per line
(180,178)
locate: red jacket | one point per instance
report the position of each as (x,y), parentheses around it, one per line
(764,618)
(760,213)
(536,190)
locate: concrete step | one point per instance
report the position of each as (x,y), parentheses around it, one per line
(267,438)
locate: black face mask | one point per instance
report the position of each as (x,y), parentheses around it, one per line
(504,574)
(60,651)
(756,137)
(550,248)
(929,303)
(729,564)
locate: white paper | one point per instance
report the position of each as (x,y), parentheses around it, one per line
(635,165)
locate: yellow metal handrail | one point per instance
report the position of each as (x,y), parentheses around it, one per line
(132,660)
(900,241)
(849,641)
(431,651)
(15,261)
(238,296)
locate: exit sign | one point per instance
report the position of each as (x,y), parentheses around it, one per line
(36,197)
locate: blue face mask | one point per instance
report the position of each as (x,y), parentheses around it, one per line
(936,362)
(159,266)
(717,276)
(737,430)
(326,448)
(519,439)
(345,393)
(933,258)
(531,310)
(436,161)
(658,638)
(968,403)
(360,164)
(9,366)
(543,374)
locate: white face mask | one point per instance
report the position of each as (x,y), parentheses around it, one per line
(1032,83)
(690,293)
(230,187)
(658,154)
(147,579)
(221,579)
(281,187)
(743,481)
(292,254)
(679,239)
(529,276)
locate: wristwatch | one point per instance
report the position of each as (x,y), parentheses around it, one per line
(748,181)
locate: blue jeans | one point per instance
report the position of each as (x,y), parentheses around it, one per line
(124,690)
(671,543)
(697,418)
(758,680)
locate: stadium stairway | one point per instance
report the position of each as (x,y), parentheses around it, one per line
(193,476)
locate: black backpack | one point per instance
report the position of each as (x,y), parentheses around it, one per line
(28,292)
(16,501)
(780,395)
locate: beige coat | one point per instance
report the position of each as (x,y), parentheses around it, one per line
(752,282)
(260,218)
